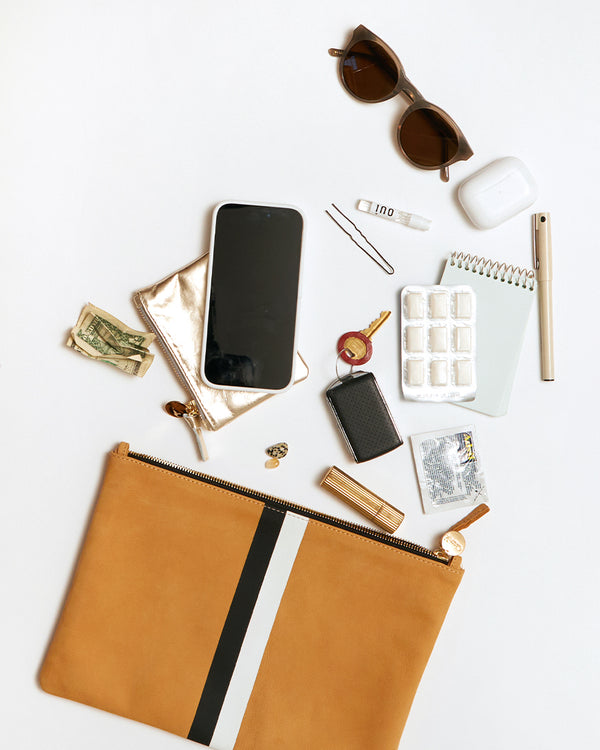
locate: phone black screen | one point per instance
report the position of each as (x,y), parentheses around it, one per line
(253,296)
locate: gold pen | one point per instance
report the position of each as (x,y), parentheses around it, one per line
(543,266)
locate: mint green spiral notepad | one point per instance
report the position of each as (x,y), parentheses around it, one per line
(505,295)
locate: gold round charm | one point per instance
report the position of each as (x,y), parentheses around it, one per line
(453,542)
(272,463)
(279,450)
(176,408)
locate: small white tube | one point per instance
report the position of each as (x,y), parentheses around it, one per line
(393,214)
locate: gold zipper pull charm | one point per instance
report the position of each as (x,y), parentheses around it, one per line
(453,542)
(191,416)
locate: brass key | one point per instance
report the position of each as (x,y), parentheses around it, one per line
(355,347)
(376,324)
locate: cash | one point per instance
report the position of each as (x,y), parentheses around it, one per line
(99,335)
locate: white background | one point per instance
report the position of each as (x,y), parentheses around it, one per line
(122,124)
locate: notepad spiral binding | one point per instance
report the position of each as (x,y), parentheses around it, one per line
(511,274)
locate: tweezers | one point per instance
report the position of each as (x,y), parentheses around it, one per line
(382,262)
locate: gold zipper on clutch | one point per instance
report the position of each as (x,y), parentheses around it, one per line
(392,541)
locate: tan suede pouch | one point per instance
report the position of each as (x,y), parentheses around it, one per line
(242,621)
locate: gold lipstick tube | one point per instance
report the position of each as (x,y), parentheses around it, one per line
(363,500)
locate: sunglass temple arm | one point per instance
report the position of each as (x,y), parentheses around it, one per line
(335,52)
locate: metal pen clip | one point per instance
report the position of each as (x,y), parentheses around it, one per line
(382,262)
(536,240)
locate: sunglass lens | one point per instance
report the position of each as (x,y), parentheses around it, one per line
(369,72)
(427,138)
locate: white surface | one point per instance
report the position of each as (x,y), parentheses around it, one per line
(123,124)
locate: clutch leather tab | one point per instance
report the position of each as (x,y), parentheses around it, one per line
(242,621)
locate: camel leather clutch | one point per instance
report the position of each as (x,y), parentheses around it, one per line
(242,621)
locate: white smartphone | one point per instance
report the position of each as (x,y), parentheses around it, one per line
(252,297)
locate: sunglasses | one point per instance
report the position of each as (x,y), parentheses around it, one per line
(427,136)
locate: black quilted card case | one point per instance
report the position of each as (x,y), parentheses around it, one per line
(363,416)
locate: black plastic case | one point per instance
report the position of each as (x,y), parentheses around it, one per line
(363,416)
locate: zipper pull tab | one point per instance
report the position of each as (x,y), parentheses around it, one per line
(453,542)
(191,416)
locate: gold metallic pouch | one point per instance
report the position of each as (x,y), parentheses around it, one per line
(243,621)
(174,310)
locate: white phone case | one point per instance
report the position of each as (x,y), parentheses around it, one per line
(208,289)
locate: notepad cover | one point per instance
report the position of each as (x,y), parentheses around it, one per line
(504,301)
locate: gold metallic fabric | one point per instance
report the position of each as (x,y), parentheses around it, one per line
(174,308)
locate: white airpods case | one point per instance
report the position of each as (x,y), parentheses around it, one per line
(497,192)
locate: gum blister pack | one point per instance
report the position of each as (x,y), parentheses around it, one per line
(438,343)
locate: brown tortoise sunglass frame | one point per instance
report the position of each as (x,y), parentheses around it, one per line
(427,136)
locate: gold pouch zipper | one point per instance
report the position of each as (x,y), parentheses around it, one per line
(191,412)
(163,345)
(276,502)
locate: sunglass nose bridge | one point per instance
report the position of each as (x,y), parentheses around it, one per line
(410,91)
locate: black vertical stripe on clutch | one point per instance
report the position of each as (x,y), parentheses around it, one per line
(236,624)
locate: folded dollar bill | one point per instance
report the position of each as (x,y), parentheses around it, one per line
(99,335)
